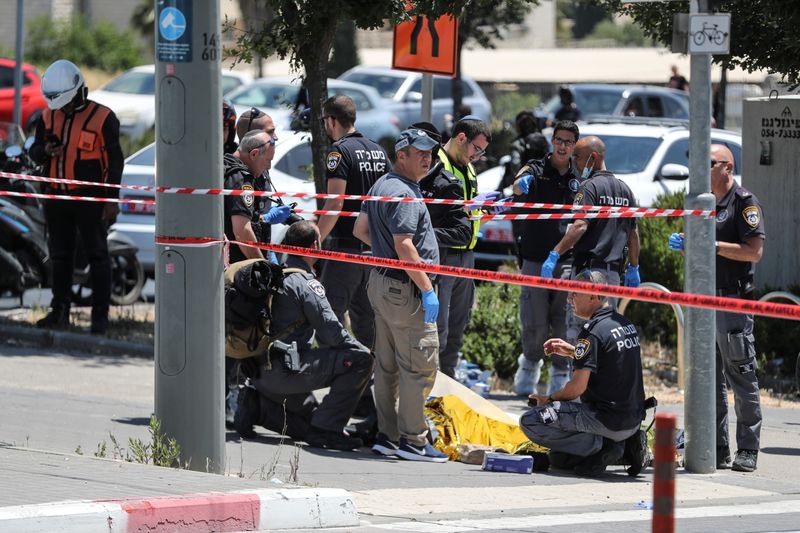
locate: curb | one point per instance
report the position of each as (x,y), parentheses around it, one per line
(248,510)
(76,341)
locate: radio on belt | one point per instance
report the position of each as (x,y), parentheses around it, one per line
(504,462)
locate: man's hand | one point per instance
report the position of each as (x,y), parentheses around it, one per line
(558,347)
(632,277)
(110,212)
(524,183)
(430,303)
(53,149)
(550,264)
(277,214)
(676,242)
(538,400)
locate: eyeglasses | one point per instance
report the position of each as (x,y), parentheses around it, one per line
(715,162)
(478,150)
(254,113)
(563,142)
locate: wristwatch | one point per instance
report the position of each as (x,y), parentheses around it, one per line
(716,247)
(550,399)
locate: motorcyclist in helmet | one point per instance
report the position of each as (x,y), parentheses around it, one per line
(77,139)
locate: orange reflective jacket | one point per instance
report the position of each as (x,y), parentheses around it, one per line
(84,157)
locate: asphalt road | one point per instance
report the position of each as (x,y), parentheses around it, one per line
(60,402)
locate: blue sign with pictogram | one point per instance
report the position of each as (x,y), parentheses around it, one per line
(174,42)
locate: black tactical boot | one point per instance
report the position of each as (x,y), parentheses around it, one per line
(248,412)
(57,318)
(333,440)
(636,453)
(596,464)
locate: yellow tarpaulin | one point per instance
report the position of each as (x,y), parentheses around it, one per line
(463,417)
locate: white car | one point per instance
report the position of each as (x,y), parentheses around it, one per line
(291,171)
(402,91)
(131,96)
(651,156)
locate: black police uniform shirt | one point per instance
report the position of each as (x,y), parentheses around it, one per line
(451,223)
(606,238)
(537,238)
(238,176)
(360,162)
(303,297)
(608,346)
(739,217)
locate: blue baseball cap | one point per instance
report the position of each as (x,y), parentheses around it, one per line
(417,138)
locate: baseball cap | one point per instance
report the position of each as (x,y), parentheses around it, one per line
(417,138)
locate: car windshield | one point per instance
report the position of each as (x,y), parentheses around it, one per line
(146,157)
(589,101)
(271,96)
(133,83)
(386,85)
(628,155)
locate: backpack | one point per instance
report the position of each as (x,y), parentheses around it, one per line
(249,288)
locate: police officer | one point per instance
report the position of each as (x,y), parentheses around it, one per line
(339,362)
(77,139)
(468,143)
(549,180)
(248,218)
(353,165)
(740,243)
(605,425)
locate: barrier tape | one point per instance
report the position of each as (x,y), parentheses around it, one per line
(646,211)
(74,198)
(735,305)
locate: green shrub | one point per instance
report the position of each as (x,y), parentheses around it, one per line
(776,340)
(492,338)
(131,146)
(99,45)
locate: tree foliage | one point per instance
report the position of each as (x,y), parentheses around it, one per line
(762,31)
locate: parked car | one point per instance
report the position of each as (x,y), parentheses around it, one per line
(32,99)
(131,96)
(651,156)
(277,97)
(291,171)
(621,100)
(403,91)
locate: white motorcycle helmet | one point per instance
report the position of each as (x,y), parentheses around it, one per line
(61,82)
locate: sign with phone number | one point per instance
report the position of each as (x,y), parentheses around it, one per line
(780,127)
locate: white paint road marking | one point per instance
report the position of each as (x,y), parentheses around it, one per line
(529,522)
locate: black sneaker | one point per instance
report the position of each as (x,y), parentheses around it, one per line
(563,461)
(58,317)
(723,458)
(384,446)
(636,453)
(596,464)
(745,461)
(332,440)
(415,452)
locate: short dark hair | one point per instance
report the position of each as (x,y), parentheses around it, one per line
(567,125)
(472,128)
(301,234)
(342,108)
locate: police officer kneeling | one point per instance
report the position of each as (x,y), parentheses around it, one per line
(605,426)
(340,362)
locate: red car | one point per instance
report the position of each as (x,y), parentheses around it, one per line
(32,100)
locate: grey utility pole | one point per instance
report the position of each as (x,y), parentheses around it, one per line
(19,56)
(700,269)
(189,290)
(427,98)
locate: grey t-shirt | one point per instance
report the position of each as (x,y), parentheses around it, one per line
(387,219)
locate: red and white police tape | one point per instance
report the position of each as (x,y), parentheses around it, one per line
(639,211)
(718,303)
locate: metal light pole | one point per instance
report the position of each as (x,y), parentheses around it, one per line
(700,268)
(189,291)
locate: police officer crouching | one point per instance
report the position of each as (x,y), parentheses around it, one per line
(295,368)
(605,426)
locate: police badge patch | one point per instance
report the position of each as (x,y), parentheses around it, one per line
(582,348)
(751,216)
(247,195)
(722,216)
(578,198)
(573,185)
(333,160)
(317,287)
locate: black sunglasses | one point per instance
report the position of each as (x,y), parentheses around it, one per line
(715,162)
(254,113)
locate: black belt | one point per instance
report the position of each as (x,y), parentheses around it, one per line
(453,251)
(743,288)
(584,263)
(393,273)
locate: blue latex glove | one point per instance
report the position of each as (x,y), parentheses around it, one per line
(525,183)
(484,197)
(676,242)
(277,214)
(632,277)
(500,209)
(430,303)
(550,264)
(272,258)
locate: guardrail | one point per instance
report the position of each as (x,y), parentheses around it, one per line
(623,304)
(783,295)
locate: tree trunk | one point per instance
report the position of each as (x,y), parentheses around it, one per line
(457,89)
(315,58)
